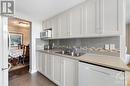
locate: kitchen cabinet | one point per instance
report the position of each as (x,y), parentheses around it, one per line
(100,18)
(75,21)
(55,27)
(44,64)
(91,75)
(109,16)
(57,70)
(44,26)
(49,66)
(61,70)
(70,72)
(65,71)
(64,25)
(38,60)
(47,24)
(41,62)
(91,19)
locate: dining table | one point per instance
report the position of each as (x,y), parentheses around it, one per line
(15,53)
(14,56)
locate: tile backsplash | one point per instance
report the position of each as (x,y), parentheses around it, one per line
(88,42)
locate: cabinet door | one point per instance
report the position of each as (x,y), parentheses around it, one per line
(44,25)
(57,70)
(75,21)
(43,59)
(49,23)
(49,66)
(109,16)
(70,76)
(38,60)
(64,25)
(55,28)
(91,18)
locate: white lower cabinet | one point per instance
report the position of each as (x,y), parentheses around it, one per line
(49,66)
(57,70)
(65,71)
(39,62)
(62,71)
(43,63)
(70,72)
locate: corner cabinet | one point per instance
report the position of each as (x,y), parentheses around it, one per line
(61,70)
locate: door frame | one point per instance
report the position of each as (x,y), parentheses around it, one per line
(4,50)
(30,39)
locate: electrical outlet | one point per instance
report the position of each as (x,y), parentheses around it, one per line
(107,47)
(112,46)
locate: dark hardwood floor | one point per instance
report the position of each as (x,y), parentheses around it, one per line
(27,79)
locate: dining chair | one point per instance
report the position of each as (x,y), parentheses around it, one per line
(25,56)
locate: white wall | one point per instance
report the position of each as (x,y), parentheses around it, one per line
(35,33)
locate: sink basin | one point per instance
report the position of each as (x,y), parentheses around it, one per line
(67,53)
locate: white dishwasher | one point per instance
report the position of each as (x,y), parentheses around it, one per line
(92,75)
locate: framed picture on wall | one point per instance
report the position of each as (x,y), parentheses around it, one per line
(15,39)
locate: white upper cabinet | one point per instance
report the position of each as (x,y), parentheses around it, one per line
(44,25)
(109,16)
(47,24)
(64,25)
(90,18)
(75,21)
(55,27)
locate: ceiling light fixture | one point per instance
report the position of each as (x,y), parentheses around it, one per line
(23,24)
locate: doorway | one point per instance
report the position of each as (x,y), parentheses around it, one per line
(19,37)
(128,38)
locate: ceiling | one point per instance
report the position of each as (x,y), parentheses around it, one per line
(43,9)
(15,22)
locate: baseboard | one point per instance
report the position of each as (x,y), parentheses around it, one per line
(32,71)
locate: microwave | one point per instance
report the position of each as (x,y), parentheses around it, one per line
(46,34)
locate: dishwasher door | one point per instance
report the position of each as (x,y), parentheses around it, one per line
(91,75)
